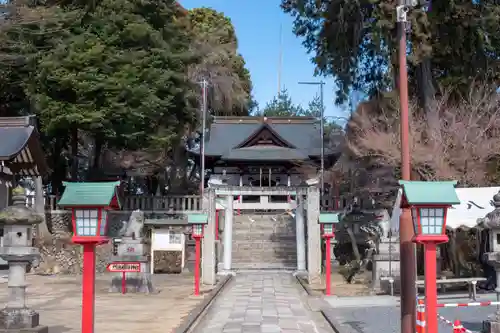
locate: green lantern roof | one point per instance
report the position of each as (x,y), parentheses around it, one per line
(198,218)
(430,193)
(100,194)
(325,218)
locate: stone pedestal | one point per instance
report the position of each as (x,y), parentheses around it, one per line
(17,221)
(386,263)
(492,324)
(133,250)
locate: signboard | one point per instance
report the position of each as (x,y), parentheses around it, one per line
(124,267)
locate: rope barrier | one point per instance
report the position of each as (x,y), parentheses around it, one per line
(457,305)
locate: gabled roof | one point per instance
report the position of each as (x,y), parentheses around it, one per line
(301,134)
(260,131)
(265,153)
(92,194)
(21,151)
(429,193)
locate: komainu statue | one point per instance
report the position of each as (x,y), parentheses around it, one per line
(133,228)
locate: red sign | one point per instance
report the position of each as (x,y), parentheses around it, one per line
(124,267)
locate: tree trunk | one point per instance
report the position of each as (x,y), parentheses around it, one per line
(98,144)
(58,166)
(427,91)
(43,234)
(354,244)
(74,153)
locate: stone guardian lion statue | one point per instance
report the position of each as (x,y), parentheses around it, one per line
(133,228)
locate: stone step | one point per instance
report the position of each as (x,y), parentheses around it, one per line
(270,266)
(275,262)
(268,228)
(256,260)
(263,227)
(241,252)
(264,236)
(266,246)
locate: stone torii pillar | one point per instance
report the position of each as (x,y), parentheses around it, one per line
(300,234)
(313,237)
(208,245)
(228,233)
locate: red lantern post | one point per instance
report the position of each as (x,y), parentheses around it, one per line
(90,203)
(429,202)
(198,222)
(328,221)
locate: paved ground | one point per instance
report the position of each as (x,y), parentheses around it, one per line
(363,314)
(58,300)
(267,302)
(386,319)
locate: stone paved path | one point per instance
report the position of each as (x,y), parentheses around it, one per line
(262,302)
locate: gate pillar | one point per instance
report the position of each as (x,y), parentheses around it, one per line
(208,246)
(228,233)
(300,233)
(313,237)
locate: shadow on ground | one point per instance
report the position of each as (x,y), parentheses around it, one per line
(59,329)
(355,325)
(473,325)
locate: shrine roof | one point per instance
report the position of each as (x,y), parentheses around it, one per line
(265,153)
(95,194)
(21,150)
(301,136)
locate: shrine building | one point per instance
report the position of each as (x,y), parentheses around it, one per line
(262,151)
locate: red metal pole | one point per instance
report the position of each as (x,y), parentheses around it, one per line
(407,248)
(197,268)
(328,267)
(88,287)
(431,287)
(216,224)
(124,283)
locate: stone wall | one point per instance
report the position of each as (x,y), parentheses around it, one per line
(60,255)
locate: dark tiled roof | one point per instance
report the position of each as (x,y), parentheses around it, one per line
(301,132)
(15,139)
(21,149)
(265,153)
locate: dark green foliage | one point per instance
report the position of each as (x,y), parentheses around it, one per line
(112,72)
(120,75)
(281,106)
(355,41)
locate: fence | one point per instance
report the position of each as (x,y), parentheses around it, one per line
(174,202)
(50,201)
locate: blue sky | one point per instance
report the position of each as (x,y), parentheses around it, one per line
(257,24)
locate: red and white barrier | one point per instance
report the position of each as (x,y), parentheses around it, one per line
(457,326)
(459,305)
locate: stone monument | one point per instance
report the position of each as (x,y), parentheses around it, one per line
(17,221)
(133,248)
(386,264)
(492,222)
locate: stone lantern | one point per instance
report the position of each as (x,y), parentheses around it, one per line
(17,221)
(492,222)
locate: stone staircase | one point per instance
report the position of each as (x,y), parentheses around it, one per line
(264,241)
